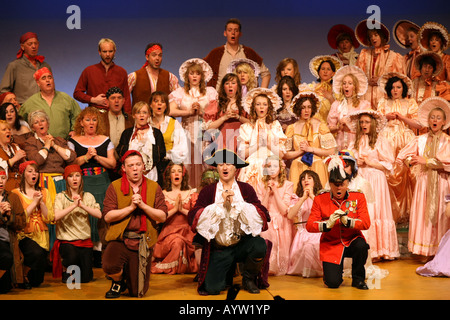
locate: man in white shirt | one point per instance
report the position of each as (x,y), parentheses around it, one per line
(219,58)
(230,217)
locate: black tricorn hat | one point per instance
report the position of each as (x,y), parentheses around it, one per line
(226,156)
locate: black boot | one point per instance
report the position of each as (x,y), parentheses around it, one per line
(250,271)
(117,287)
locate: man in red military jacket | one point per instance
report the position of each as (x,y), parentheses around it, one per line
(230,217)
(340,214)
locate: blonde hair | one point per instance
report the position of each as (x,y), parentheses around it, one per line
(106,40)
(282,176)
(195,67)
(355,98)
(252,81)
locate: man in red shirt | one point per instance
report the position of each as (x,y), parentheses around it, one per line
(340,214)
(96,79)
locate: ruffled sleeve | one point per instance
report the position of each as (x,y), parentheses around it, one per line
(327,140)
(179,152)
(278,136)
(176,96)
(245,133)
(289,137)
(411,149)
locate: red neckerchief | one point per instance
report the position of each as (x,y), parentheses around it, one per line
(136,129)
(125,188)
(33,59)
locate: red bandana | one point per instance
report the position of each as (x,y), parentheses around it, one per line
(23,38)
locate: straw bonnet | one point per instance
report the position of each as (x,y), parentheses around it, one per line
(317,60)
(382,81)
(427,29)
(434,56)
(354,70)
(429,104)
(207,70)
(362,30)
(339,30)
(353,118)
(400,32)
(273,97)
(236,62)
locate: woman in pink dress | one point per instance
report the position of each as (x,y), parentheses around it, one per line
(190,103)
(431,151)
(375,160)
(274,191)
(174,252)
(349,86)
(262,137)
(439,266)
(377,59)
(401,114)
(304,258)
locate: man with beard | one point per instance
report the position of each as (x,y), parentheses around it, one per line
(96,79)
(151,77)
(230,217)
(133,206)
(61,108)
(18,77)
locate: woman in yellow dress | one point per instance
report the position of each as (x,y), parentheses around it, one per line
(323,69)
(309,139)
(34,239)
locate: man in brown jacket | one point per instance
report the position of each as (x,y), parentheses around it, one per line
(151,77)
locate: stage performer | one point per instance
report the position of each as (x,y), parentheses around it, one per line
(340,214)
(229,216)
(133,206)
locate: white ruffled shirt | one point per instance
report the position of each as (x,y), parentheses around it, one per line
(225,227)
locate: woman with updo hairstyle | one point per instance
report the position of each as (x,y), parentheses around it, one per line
(174,252)
(309,139)
(401,113)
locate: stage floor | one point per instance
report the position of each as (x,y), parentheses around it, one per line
(402,283)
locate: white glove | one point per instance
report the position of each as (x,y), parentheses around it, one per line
(332,220)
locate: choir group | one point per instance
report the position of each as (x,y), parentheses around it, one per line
(385,114)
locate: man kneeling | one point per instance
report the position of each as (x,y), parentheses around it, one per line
(340,214)
(229,215)
(132,207)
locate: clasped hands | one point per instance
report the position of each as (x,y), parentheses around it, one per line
(335,216)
